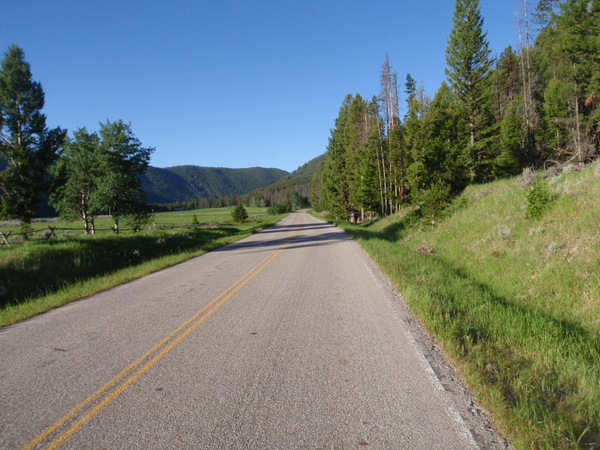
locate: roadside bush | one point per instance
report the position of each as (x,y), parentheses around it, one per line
(280,208)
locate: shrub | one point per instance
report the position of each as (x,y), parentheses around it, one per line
(280,208)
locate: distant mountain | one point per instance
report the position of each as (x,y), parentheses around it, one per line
(184,183)
(279,192)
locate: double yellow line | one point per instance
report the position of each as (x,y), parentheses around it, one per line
(134,371)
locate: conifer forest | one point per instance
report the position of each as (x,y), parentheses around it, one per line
(534,107)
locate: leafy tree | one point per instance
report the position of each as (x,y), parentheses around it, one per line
(101,172)
(468,71)
(239,213)
(123,160)
(26,144)
(280,208)
(77,175)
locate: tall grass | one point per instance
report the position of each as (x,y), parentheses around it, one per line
(37,275)
(513,300)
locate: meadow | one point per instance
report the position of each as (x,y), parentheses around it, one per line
(45,272)
(513,301)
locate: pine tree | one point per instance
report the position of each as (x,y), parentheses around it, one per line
(545,11)
(334,182)
(415,139)
(27,146)
(355,137)
(439,163)
(569,68)
(239,213)
(393,161)
(511,115)
(362,144)
(513,155)
(468,71)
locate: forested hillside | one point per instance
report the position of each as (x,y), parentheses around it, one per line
(185,183)
(280,192)
(535,106)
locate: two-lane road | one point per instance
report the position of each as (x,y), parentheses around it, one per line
(290,338)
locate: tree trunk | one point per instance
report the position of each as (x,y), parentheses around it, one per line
(577,126)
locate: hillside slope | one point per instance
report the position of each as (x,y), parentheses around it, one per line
(181,183)
(297,181)
(513,300)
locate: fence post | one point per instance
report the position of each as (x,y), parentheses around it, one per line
(52,233)
(4,238)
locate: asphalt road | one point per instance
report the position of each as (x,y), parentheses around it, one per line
(290,338)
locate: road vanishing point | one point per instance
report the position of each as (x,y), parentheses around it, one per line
(288,339)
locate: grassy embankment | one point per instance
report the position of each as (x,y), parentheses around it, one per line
(38,275)
(514,301)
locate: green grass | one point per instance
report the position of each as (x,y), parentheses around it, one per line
(514,301)
(38,275)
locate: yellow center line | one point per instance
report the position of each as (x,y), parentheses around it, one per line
(215,304)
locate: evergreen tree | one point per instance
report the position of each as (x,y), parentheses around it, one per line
(316,190)
(568,67)
(26,144)
(507,81)
(545,11)
(239,213)
(468,71)
(368,196)
(439,163)
(415,140)
(410,88)
(355,137)
(362,144)
(510,108)
(513,155)
(350,181)
(334,182)
(394,159)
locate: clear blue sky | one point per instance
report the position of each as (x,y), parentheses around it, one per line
(230,83)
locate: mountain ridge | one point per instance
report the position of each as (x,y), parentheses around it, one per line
(189,182)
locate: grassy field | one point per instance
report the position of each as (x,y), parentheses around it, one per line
(514,301)
(43,273)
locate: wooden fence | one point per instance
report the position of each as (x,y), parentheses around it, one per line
(50,232)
